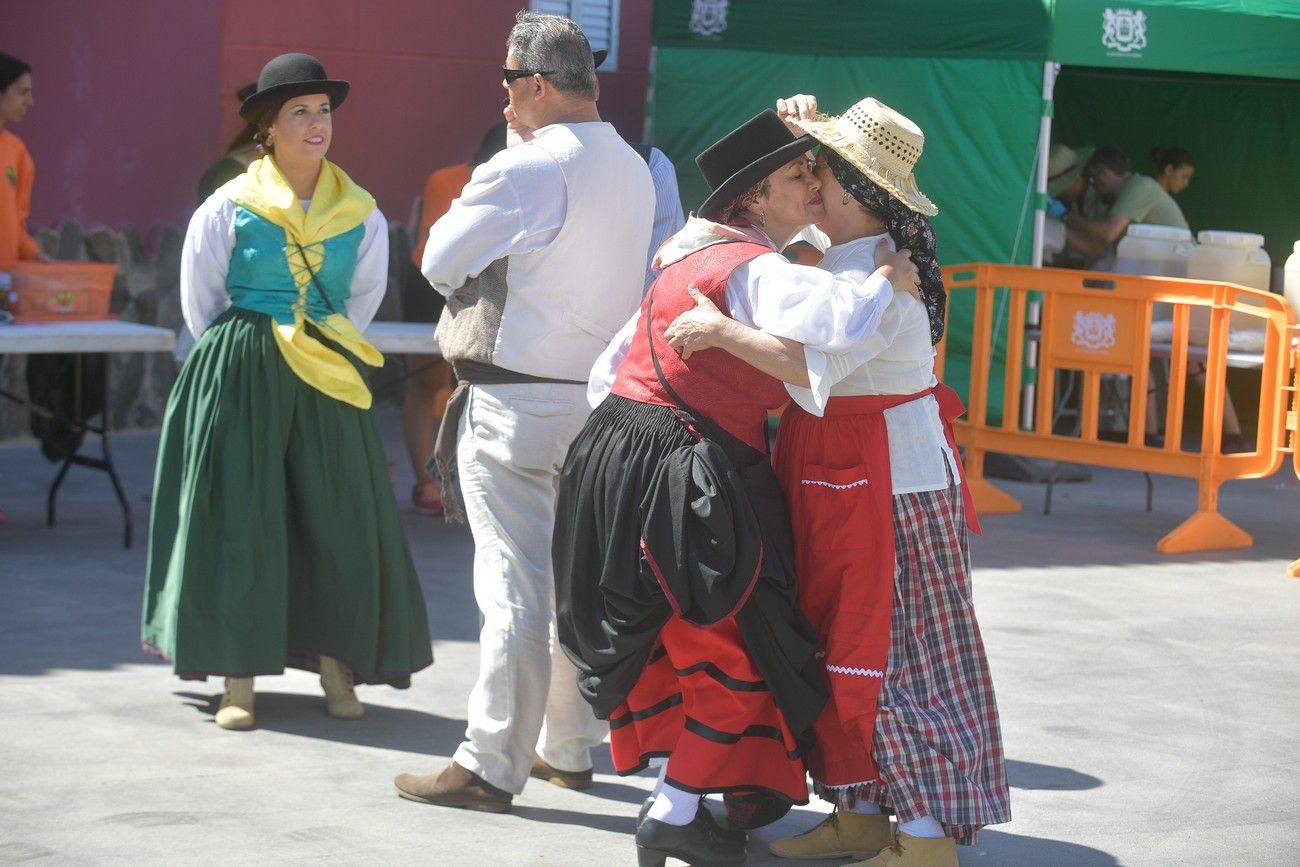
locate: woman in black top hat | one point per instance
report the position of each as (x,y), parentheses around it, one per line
(275,539)
(674,579)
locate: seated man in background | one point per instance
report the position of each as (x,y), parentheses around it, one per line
(1133,198)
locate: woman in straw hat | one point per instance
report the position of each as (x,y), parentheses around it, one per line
(674,575)
(872,477)
(275,538)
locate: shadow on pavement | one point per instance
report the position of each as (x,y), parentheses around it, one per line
(1031,775)
(392,728)
(1111,510)
(995,847)
(597,821)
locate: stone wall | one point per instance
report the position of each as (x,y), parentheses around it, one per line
(147,290)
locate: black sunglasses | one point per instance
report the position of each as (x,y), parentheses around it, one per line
(516,74)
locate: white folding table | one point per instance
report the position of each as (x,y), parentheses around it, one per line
(79,338)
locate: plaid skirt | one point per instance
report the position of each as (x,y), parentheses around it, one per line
(937,740)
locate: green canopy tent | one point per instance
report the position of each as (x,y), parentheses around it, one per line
(1219,78)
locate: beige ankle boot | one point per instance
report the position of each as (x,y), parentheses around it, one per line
(909,851)
(340,698)
(236,710)
(840,835)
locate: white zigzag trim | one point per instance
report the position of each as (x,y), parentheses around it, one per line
(849,785)
(859,483)
(861,672)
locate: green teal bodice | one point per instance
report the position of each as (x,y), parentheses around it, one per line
(264,264)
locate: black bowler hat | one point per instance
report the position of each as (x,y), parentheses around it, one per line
(287,76)
(745,156)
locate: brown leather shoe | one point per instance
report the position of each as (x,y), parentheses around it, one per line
(543,770)
(455,786)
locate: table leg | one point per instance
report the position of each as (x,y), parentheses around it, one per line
(104,463)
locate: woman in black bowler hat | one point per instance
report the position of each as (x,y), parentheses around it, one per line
(674,579)
(275,539)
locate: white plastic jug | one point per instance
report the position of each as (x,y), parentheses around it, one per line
(1160,251)
(1233,257)
(1291,282)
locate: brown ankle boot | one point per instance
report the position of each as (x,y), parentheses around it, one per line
(236,710)
(909,851)
(840,835)
(340,698)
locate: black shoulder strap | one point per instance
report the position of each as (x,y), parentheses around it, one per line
(654,356)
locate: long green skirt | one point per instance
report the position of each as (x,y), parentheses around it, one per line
(275,537)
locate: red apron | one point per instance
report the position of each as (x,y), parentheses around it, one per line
(834,472)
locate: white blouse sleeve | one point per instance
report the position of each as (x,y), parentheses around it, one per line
(830,311)
(603,372)
(370,279)
(827,369)
(205,262)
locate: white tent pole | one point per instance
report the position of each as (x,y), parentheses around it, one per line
(1050,71)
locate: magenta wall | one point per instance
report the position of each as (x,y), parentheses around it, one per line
(123,122)
(134,98)
(425,74)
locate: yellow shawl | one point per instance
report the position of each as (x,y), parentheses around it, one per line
(337,206)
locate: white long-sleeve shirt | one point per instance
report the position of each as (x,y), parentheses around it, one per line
(205,262)
(822,309)
(895,358)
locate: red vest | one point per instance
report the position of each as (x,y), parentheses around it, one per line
(713,382)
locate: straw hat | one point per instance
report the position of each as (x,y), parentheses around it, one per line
(1064,164)
(879,142)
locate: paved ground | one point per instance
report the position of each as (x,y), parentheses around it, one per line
(1149,703)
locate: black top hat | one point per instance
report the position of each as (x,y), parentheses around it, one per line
(287,76)
(745,156)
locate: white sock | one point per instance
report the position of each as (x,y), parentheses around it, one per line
(673,806)
(659,783)
(865,808)
(926,826)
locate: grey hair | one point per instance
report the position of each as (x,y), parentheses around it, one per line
(556,44)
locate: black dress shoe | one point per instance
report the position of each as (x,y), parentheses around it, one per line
(701,843)
(705,814)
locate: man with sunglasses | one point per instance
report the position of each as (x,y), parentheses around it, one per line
(542,259)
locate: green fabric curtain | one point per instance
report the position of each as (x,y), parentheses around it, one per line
(980,119)
(970,73)
(1233,37)
(880,28)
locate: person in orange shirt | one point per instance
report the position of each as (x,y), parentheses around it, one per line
(15,163)
(430,384)
(17,166)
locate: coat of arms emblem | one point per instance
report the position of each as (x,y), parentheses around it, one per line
(1094,332)
(1124,30)
(709,17)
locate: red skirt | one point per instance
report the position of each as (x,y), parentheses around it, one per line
(702,704)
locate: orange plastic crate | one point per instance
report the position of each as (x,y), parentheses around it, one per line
(59,291)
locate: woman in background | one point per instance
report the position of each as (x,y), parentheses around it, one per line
(275,539)
(1174,169)
(16,164)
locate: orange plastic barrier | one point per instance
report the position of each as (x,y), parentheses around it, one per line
(1099,325)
